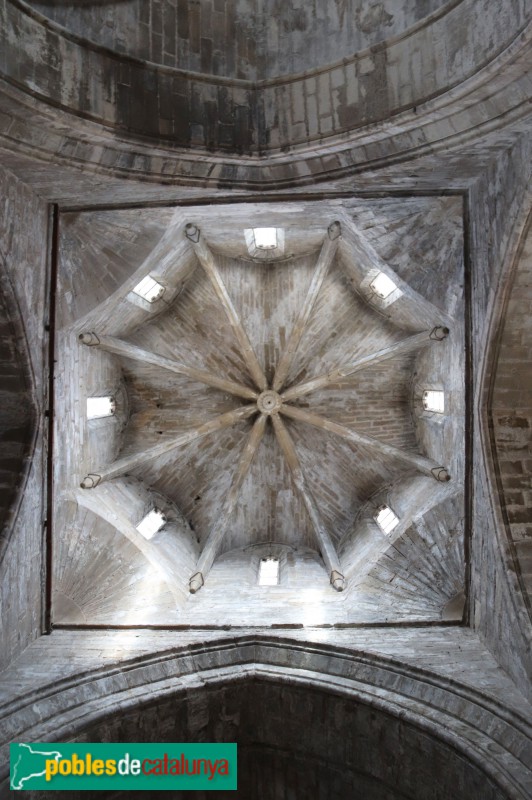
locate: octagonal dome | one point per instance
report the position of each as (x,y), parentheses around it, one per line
(266,409)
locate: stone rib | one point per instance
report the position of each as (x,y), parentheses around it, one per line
(423,464)
(206,259)
(133,461)
(334,375)
(323,539)
(215,538)
(121,348)
(327,253)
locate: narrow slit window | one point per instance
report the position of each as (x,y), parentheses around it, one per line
(100,407)
(434,401)
(269,572)
(265,238)
(386,519)
(152,522)
(149,289)
(382,285)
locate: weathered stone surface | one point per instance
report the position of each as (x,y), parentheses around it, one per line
(242,116)
(512,411)
(441,110)
(323,680)
(499,209)
(306,494)
(23,238)
(254,40)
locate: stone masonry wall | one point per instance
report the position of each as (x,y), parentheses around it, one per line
(16,405)
(300,743)
(512,413)
(468,703)
(252,39)
(240,116)
(497,201)
(23,242)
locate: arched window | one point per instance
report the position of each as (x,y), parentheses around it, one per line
(269,572)
(151,523)
(265,238)
(98,407)
(434,400)
(386,519)
(382,285)
(265,244)
(149,289)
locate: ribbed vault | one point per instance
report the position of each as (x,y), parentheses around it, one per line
(264,404)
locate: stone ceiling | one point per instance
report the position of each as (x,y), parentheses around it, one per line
(267,407)
(253,39)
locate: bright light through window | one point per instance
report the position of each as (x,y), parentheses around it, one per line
(434,401)
(386,519)
(382,285)
(149,289)
(100,407)
(152,522)
(269,572)
(265,238)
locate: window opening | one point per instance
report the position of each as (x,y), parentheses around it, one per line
(152,522)
(269,572)
(149,289)
(382,285)
(434,400)
(386,519)
(265,238)
(100,407)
